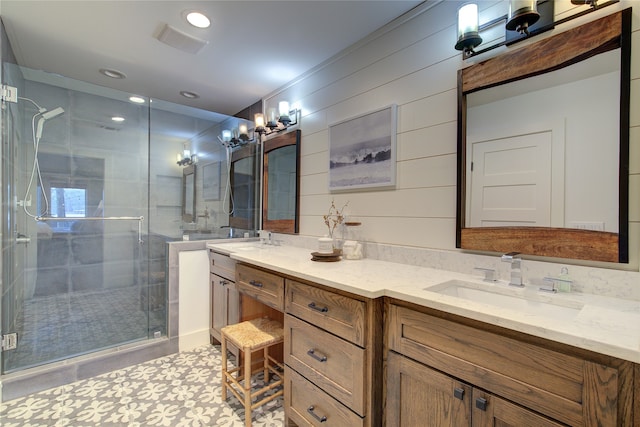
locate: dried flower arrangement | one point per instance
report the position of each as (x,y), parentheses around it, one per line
(334,218)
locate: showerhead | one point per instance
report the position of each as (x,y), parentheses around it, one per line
(53,113)
(46,116)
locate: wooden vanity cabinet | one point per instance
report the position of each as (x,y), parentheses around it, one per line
(455,371)
(419,395)
(333,357)
(225,300)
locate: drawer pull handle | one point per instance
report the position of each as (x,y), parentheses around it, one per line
(255,283)
(319,358)
(313,306)
(314,415)
(458,393)
(224,282)
(481,403)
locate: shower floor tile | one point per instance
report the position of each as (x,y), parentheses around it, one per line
(183,389)
(60,326)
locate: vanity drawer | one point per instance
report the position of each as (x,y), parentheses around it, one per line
(338,314)
(557,385)
(222,265)
(333,364)
(266,287)
(306,404)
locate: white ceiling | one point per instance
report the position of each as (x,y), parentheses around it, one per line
(254,47)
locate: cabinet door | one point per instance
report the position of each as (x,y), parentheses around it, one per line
(420,396)
(492,411)
(225,303)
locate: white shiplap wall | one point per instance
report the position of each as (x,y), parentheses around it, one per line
(412,62)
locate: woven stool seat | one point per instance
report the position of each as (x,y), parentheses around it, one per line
(249,336)
(255,334)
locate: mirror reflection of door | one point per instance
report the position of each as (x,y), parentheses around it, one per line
(588,155)
(281,183)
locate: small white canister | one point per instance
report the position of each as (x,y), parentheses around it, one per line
(352,250)
(325,245)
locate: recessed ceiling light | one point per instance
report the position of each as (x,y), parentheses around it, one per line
(198,19)
(114,74)
(117,119)
(190,95)
(137,99)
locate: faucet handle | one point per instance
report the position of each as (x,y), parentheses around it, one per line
(511,256)
(489,274)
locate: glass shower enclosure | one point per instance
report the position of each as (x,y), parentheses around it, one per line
(75,198)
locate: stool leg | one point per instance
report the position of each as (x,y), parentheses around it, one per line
(266,365)
(247,387)
(223,348)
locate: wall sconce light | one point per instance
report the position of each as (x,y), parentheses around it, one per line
(277,120)
(468,36)
(523,14)
(236,136)
(186,158)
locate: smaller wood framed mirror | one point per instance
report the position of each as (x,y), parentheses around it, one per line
(281,183)
(189,193)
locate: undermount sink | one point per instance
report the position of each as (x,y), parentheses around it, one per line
(501,296)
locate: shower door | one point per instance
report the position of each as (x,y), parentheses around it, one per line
(75,270)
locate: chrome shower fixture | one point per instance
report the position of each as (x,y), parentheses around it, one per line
(46,116)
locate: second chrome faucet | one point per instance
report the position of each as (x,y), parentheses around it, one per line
(516,272)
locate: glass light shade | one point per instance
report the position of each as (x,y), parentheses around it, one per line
(522,14)
(468,36)
(226,135)
(283,108)
(179,157)
(259,120)
(243,130)
(272,117)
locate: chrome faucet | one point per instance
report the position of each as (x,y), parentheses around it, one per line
(516,273)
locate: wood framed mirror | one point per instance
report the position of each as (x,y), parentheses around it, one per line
(562,237)
(281,183)
(245,187)
(189,193)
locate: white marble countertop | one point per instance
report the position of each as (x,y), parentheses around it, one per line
(602,324)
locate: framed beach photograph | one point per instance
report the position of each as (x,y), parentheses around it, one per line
(362,151)
(211,181)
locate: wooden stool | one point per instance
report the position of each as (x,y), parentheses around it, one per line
(249,336)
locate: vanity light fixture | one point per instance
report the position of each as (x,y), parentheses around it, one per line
(277,120)
(237,136)
(186,158)
(523,14)
(468,36)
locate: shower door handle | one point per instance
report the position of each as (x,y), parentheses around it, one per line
(21,238)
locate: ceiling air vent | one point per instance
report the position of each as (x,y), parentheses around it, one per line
(180,40)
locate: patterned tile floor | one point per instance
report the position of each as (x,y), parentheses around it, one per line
(177,390)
